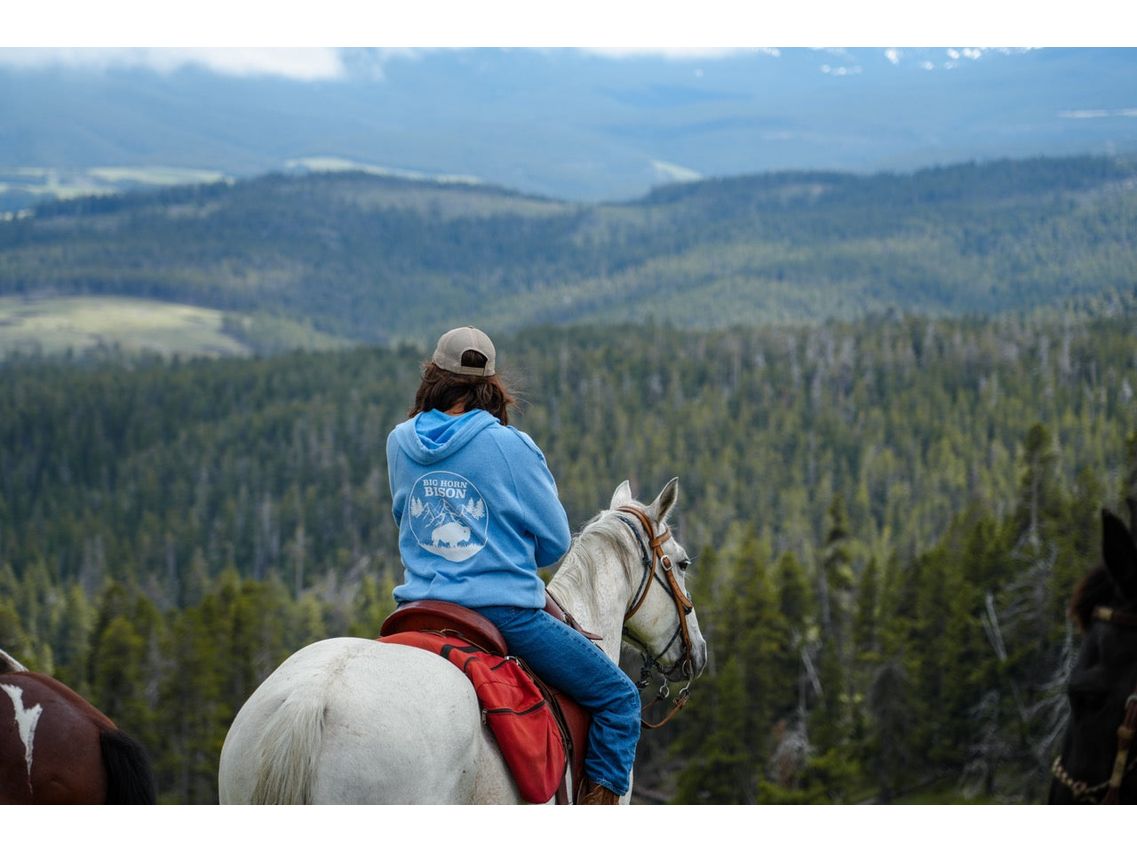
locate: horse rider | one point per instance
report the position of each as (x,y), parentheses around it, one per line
(478,514)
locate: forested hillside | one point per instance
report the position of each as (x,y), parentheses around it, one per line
(887,516)
(380,260)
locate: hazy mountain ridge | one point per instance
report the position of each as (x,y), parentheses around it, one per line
(576,125)
(381,259)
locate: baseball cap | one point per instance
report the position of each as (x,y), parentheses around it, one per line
(448,352)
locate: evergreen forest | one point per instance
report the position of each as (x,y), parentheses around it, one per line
(888,514)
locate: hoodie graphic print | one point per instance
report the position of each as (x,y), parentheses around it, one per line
(448,516)
(477,510)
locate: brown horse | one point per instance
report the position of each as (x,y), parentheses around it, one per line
(58,749)
(1097,764)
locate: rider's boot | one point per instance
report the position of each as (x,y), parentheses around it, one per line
(598,795)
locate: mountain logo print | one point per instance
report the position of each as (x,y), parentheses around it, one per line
(449,517)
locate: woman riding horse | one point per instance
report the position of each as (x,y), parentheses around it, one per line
(478,513)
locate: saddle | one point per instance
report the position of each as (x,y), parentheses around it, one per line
(541,731)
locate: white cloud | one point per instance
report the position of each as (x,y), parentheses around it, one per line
(677,53)
(673,171)
(1125,112)
(342,164)
(841,70)
(519,23)
(304,63)
(893,55)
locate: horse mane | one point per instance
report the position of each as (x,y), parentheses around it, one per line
(1096,589)
(606,527)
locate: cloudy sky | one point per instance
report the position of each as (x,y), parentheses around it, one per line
(301,63)
(668,27)
(323,63)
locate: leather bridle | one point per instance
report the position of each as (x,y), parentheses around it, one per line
(1121,763)
(652,556)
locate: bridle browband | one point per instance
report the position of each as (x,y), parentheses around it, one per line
(1125,732)
(652,555)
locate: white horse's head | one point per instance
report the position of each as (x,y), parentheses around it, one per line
(662,622)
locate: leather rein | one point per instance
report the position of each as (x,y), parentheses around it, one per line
(652,555)
(1121,763)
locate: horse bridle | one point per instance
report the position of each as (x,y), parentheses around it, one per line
(683,608)
(1121,763)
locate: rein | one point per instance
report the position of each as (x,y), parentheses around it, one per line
(1121,763)
(683,607)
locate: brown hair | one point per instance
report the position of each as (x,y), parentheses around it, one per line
(440,389)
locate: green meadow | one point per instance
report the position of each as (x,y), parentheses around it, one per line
(85,324)
(56,325)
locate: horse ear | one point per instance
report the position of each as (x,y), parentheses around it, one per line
(622,496)
(663,504)
(1119,554)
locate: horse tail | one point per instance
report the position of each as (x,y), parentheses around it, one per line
(289,746)
(130,777)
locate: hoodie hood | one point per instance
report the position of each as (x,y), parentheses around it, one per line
(477,510)
(432,436)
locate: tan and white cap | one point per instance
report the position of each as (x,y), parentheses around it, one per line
(448,352)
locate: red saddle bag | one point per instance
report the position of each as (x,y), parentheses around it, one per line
(515,709)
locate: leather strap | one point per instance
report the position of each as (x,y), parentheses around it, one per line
(1124,741)
(682,603)
(554,609)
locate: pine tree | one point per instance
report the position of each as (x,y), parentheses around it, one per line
(370,606)
(14,639)
(193,715)
(723,770)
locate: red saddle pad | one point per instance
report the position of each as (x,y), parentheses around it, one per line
(515,709)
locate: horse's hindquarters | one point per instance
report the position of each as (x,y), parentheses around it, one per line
(49,744)
(355,721)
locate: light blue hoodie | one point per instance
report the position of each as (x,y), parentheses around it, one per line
(477,510)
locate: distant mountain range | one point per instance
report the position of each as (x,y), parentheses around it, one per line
(320,259)
(565,124)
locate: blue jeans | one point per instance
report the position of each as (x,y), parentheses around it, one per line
(568,661)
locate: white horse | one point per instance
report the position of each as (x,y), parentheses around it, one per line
(350,720)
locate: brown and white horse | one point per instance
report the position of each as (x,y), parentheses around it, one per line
(56,748)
